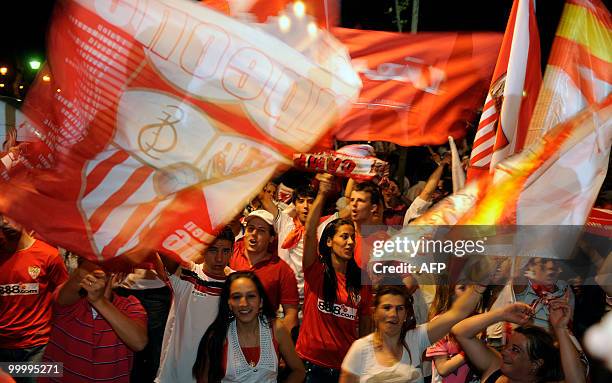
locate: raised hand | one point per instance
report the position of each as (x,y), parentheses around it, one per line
(560,312)
(95,284)
(326,182)
(519,313)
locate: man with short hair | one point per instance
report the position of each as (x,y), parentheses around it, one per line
(290,230)
(30,272)
(196,287)
(364,203)
(256,254)
(95,331)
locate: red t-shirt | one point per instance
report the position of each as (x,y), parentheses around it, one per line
(28,279)
(89,348)
(326,336)
(275,275)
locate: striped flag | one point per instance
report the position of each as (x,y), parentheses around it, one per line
(512,94)
(579,71)
(161,121)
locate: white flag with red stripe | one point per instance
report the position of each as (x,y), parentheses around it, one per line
(512,94)
(162,120)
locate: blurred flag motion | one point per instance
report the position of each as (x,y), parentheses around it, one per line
(556,179)
(161,122)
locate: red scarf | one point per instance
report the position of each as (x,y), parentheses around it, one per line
(294,236)
(541,290)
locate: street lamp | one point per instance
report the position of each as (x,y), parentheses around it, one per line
(3,70)
(34,64)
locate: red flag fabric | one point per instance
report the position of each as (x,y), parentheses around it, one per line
(417,88)
(161,121)
(512,94)
(600,222)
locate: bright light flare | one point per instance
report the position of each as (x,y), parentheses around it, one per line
(34,64)
(46,78)
(3,70)
(312,29)
(299,9)
(284,23)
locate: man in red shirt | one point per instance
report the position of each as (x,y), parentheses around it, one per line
(30,271)
(275,274)
(95,331)
(365,200)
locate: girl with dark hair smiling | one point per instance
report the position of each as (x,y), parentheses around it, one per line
(335,302)
(244,342)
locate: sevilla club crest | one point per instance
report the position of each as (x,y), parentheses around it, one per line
(34,271)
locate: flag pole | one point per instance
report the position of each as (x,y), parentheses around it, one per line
(401,169)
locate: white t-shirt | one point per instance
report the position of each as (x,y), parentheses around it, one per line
(360,360)
(193,309)
(417,208)
(283,225)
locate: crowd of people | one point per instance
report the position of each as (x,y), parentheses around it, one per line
(280,295)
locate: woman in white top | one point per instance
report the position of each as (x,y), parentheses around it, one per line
(393,352)
(244,342)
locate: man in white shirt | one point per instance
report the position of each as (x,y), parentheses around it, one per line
(196,287)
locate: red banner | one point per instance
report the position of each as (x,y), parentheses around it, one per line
(161,121)
(417,88)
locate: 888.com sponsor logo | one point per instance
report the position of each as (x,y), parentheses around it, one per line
(19,289)
(338,310)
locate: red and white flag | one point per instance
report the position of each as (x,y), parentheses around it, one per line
(537,186)
(161,121)
(512,94)
(579,69)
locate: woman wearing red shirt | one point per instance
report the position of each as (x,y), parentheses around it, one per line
(335,303)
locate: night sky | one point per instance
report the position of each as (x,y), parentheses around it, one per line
(24,24)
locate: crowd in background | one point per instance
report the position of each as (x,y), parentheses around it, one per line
(280,295)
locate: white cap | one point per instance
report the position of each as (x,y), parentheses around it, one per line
(263,214)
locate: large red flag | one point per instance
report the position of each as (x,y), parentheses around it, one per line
(417,88)
(512,94)
(160,122)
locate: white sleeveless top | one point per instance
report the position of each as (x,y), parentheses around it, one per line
(239,370)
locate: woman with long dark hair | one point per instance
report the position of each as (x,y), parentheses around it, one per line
(530,355)
(393,352)
(335,302)
(244,341)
